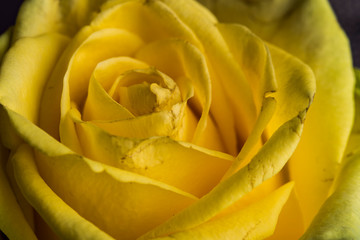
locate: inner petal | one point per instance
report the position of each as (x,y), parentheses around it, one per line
(144,91)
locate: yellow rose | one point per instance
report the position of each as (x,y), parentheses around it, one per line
(150,119)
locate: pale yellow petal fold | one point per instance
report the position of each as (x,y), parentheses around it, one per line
(256,221)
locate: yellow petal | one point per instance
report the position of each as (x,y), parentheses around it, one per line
(123,210)
(186,61)
(99,46)
(49,116)
(100,106)
(228,79)
(294,91)
(309,30)
(253,56)
(22,80)
(197,171)
(268,161)
(161,21)
(256,221)
(12,222)
(64,220)
(38,17)
(339,216)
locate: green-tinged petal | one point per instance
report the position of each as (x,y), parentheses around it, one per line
(12,221)
(66,222)
(339,216)
(295,89)
(254,58)
(259,72)
(256,221)
(38,17)
(246,152)
(266,163)
(5,42)
(124,209)
(309,30)
(24,72)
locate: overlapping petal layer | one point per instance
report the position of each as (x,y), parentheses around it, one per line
(126,96)
(309,30)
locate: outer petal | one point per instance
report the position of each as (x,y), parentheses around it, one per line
(123,210)
(65,221)
(21,78)
(291,94)
(339,216)
(256,221)
(5,42)
(38,17)
(309,30)
(12,220)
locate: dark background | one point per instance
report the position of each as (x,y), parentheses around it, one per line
(347,11)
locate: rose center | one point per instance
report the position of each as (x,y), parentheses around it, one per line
(145,91)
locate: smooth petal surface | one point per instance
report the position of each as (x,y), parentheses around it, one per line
(12,222)
(308,29)
(22,80)
(38,17)
(67,223)
(256,221)
(339,216)
(5,42)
